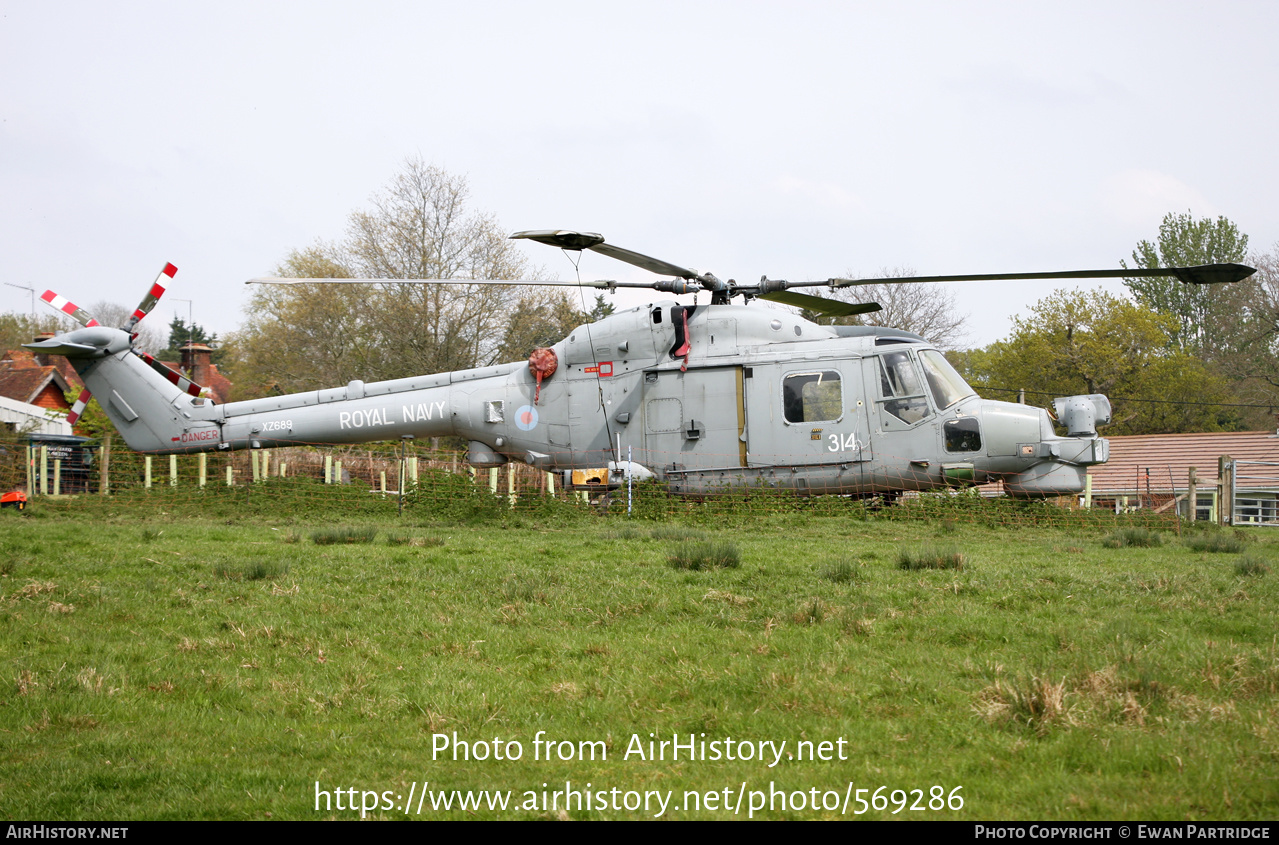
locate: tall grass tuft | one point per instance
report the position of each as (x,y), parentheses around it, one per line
(1133,538)
(704,554)
(1249,565)
(841,572)
(930,558)
(1216,543)
(342,536)
(811,611)
(1037,703)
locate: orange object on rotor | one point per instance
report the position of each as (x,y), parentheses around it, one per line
(543,364)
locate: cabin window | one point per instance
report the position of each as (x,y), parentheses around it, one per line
(963,435)
(902,389)
(812,397)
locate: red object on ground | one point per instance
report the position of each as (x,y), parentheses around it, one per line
(16,499)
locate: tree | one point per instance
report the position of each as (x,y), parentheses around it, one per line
(1079,342)
(417,227)
(17,329)
(180,334)
(1252,366)
(924,309)
(540,318)
(1206,315)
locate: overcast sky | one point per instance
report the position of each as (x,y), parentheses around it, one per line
(797,140)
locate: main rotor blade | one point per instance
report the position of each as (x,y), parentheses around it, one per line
(567,239)
(819,305)
(1204,274)
(596,283)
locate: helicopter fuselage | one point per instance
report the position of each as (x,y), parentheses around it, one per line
(706,397)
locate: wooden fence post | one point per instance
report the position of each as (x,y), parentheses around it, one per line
(104,475)
(1192,495)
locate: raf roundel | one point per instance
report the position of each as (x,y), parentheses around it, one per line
(526,418)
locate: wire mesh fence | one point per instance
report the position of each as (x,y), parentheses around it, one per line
(399,478)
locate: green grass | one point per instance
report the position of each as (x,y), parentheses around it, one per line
(1126,538)
(930,557)
(1217,543)
(344,536)
(222,668)
(704,554)
(1249,565)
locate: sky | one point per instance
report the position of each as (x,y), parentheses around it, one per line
(801,140)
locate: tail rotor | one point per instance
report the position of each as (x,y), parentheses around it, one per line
(144,308)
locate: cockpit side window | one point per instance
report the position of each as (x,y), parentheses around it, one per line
(962,435)
(812,397)
(901,389)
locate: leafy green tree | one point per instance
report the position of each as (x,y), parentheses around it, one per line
(602,308)
(541,318)
(180,334)
(1092,342)
(1206,315)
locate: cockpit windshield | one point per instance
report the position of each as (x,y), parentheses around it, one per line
(946,385)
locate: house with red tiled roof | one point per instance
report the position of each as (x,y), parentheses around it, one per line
(1153,471)
(37,379)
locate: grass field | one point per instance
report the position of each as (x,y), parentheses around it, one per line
(210,662)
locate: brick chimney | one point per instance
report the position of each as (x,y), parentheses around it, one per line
(40,358)
(196,358)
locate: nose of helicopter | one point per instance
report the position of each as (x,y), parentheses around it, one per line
(1032,460)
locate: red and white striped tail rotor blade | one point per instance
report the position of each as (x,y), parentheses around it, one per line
(69,308)
(78,408)
(183,383)
(152,297)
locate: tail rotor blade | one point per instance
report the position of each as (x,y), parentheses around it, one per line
(152,297)
(78,408)
(183,383)
(69,308)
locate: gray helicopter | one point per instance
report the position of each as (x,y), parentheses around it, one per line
(704,397)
